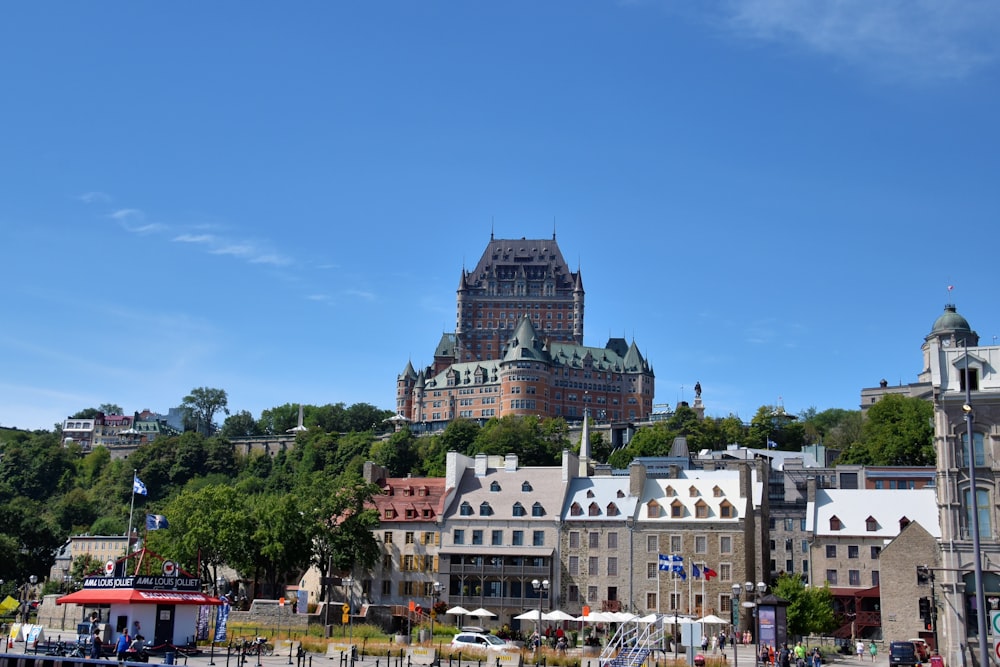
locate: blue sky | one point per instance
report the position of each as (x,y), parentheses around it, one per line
(277,199)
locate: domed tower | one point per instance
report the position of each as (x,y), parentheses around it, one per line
(949,330)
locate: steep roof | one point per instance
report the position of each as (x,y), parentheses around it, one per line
(854,507)
(532,259)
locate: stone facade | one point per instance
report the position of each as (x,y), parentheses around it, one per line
(901,585)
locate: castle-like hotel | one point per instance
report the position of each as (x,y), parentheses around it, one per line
(518,349)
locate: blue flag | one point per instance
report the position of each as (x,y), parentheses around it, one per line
(664,562)
(138,486)
(695,572)
(156,522)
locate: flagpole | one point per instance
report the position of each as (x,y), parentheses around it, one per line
(703,577)
(131,509)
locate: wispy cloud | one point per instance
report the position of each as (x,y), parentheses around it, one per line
(133,220)
(913,40)
(95,198)
(361,294)
(245,250)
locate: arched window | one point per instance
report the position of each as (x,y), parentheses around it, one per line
(978,447)
(983,507)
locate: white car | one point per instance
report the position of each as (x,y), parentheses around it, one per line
(479,642)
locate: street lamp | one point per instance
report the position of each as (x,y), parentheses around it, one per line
(349,589)
(542,589)
(761,589)
(735,604)
(435,594)
(26,597)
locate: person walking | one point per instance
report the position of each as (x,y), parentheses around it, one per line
(860,649)
(873,650)
(95,643)
(122,646)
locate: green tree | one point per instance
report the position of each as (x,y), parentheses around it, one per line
(214,522)
(898,430)
(200,407)
(396,453)
(240,424)
(111,409)
(810,609)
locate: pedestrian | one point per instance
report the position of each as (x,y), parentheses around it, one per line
(860,649)
(122,646)
(704,643)
(785,657)
(873,649)
(800,655)
(95,643)
(722,641)
(817,658)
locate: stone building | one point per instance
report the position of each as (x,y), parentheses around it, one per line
(901,583)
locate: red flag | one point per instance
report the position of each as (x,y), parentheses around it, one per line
(709,573)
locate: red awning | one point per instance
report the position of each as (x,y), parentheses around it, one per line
(132,596)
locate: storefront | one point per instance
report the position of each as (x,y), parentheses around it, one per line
(157,600)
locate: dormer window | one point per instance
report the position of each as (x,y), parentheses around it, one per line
(590,493)
(485,509)
(717,492)
(871,525)
(495,486)
(575,509)
(620,494)
(676,509)
(465,509)
(701,510)
(903,523)
(653,510)
(727,510)
(835,523)
(613,510)
(669,491)
(390,513)
(525,487)
(407,491)
(693,492)
(537,510)
(594,509)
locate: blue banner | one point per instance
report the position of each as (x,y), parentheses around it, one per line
(221,619)
(201,626)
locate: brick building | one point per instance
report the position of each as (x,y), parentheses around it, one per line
(518,349)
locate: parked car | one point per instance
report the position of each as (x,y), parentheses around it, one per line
(923,649)
(903,653)
(479,642)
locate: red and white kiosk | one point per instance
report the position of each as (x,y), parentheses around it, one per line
(146,594)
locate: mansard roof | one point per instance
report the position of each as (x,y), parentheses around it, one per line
(527,259)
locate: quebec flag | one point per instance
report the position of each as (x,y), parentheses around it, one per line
(138,486)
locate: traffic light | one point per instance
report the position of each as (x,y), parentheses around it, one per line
(925,611)
(923,575)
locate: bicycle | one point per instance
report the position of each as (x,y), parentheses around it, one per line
(258,646)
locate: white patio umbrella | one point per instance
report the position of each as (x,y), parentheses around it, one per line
(458,611)
(484,613)
(621,616)
(558,615)
(712,619)
(532,615)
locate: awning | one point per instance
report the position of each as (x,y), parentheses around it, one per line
(132,596)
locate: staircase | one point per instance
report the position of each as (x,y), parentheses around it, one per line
(632,643)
